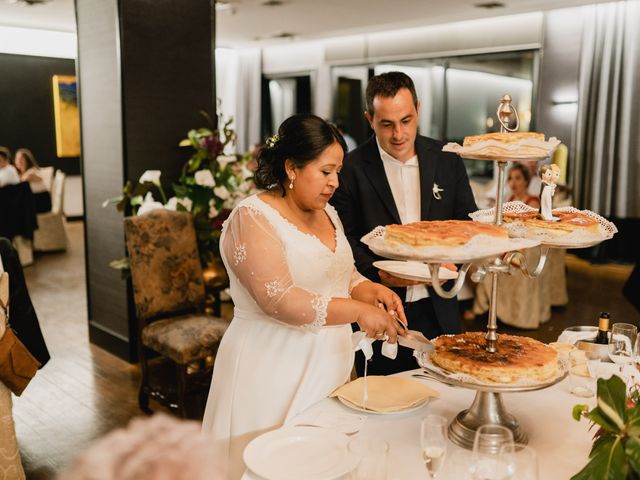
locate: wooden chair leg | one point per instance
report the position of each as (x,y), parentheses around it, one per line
(143,394)
(182,388)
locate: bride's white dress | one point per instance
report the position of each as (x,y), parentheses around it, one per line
(276,359)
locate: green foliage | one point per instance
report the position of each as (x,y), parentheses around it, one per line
(615,454)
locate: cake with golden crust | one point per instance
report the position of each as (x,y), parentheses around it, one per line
(569,222)
(452,233)
(507,137)
(516,358)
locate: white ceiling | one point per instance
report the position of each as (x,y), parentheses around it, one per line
(248,21)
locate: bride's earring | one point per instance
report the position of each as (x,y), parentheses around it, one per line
(291,183)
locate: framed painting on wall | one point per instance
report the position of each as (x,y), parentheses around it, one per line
(67,118)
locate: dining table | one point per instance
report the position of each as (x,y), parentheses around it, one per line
(562,443)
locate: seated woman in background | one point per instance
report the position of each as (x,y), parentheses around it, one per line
(29,171)
(518,180)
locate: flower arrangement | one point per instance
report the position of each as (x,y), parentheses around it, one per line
(212,182)
(615,453)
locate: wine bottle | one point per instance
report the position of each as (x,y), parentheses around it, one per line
(603,329)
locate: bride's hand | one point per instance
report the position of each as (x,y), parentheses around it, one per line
(377,323)
(381,296)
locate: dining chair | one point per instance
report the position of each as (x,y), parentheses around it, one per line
(51,235)
(169,293)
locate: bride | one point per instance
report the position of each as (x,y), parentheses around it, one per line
(295,290)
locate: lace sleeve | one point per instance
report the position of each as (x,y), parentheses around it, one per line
(255,255)
(356,279)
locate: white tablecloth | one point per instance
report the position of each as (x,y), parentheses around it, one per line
(545,416)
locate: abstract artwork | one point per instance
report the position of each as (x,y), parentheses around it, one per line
(67,118)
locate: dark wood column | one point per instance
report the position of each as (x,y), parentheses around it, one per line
(146,69)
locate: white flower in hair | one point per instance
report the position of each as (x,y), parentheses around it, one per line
(204,178)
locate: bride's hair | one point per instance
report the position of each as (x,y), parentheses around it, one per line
(301,139)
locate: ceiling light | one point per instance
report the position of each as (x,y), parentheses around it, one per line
(490,5)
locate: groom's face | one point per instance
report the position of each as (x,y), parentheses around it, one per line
(395,122)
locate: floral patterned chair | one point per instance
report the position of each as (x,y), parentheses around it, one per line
(168,292)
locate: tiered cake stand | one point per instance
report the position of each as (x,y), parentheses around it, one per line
(487,407)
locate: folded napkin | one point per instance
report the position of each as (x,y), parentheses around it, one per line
(360,341)
(384,394)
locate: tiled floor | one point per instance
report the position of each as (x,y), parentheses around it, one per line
(84,391)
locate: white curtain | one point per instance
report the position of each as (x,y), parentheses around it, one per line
(238,77)
(607,134)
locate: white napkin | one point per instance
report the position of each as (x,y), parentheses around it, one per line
(571,337)
(360,341)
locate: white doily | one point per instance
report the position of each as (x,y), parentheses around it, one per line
(575,239)
(528,149)
(479,247)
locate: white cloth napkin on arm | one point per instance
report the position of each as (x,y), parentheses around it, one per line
(360,341)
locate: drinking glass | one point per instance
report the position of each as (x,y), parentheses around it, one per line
(433,440)
(521,462)
(370,456)
(581,378)
(486,462)
(621,342)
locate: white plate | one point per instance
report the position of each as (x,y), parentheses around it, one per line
(358,408)
(295,453)
(413,270)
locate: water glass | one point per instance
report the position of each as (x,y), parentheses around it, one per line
(433,440)
(370,456)
(581,378)
(521,462)
(621,342)
(486,462)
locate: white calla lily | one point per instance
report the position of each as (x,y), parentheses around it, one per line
(213,211)
(222,192)
(225,159)
(152,176)
(204,178)
(149,204)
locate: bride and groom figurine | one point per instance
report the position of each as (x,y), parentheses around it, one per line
(549,175)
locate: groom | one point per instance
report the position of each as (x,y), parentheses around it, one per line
(398,176)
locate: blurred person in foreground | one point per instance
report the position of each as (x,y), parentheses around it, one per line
(399,177)
(156,448)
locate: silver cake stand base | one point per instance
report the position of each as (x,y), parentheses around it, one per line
(487,407)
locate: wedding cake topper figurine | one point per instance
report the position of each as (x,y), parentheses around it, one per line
(549,175)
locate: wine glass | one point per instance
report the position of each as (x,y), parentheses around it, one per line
(621,342)
(433,440)
(486,462)
(521,462)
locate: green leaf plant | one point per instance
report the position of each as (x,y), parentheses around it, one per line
(615,454)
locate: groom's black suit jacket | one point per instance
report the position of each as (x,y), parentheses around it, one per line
(364,201)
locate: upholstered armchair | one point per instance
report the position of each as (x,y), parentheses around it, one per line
(169,293)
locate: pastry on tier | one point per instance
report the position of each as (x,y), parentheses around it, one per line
(516,358)
(568,222)
(509,144)
(508,137)
(452,233)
